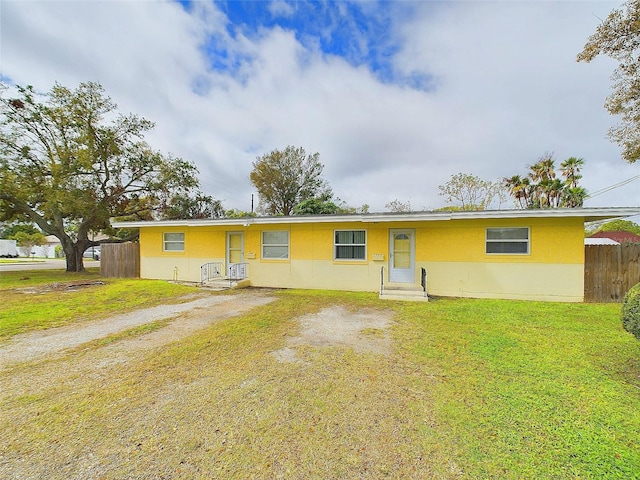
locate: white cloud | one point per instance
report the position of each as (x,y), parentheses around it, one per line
(508,83)
(507,89)
(280,8)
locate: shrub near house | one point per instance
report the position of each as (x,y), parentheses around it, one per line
(631,311)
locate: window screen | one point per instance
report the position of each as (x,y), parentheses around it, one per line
(173,242)
(350,245)
(275,245)
(507,240)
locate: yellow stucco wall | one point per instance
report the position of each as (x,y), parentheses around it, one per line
(453,253)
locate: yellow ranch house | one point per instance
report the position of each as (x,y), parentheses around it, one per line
(511,254)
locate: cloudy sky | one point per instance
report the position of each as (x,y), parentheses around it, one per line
(395,96)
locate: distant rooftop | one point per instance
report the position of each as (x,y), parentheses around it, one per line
(619,236)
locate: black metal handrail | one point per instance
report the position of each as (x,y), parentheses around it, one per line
(238,271)
(423,280)
(381,280)
(210,271)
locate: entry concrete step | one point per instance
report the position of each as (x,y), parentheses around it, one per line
(407,292)
(219,284)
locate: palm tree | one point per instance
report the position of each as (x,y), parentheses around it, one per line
(543,169)
(519,189)
(536,173)
(556,192)
(570,169)
(548,168)
(541,189)
(545,193)
(573,197)
(542,174)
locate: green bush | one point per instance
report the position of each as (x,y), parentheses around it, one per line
(631,311)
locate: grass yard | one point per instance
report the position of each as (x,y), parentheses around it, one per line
(473,389)
(531,390)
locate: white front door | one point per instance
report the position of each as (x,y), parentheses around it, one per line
(235,249)
(401,256)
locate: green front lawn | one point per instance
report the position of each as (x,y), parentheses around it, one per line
(531,390)
(473,389)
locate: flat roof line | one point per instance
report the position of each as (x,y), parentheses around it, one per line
(589,215)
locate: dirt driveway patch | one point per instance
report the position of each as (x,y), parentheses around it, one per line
(364,331)
(190,316)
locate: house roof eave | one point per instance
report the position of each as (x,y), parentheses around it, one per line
(587,214)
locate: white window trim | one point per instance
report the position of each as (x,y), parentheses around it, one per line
(165,242)
(335,245)
(513,240)
(262,245)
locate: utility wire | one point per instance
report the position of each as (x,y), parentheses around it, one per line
(613,187)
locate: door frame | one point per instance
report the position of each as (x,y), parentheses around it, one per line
(402,275)
(228,249)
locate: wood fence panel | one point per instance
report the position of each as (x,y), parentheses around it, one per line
(120,260)
(610,271)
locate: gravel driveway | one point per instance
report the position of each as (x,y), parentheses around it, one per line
(187,318)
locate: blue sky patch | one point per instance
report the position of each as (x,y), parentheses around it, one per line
(362,33)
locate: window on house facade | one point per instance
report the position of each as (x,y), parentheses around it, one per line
(350,245)
(275,245)
(173,242)
(507,240)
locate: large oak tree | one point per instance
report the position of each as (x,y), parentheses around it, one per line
(69,162)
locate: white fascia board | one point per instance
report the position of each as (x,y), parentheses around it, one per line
(588,214)
(179,223)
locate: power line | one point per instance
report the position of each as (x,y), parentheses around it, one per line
(613,187)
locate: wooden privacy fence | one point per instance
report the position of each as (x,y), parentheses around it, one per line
(610,271)
(120,260)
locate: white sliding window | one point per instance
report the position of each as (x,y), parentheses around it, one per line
(173,242)
(350,245)
(275,245)
(511,240)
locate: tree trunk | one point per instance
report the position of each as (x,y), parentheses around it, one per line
(73,253)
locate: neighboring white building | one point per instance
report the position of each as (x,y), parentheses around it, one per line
(48,249)
(8,248)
